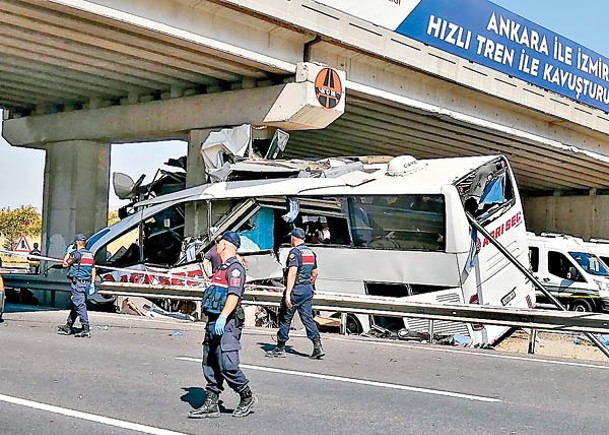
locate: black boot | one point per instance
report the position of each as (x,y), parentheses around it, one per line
(318,351)
(67,329)
(86,332)
(278,352)
(210,408)
(248,400)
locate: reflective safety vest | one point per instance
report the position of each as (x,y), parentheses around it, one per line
(308,262)
(215,294)
(82,265)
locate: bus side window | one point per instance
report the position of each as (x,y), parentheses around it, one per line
(325,230)
(534,258)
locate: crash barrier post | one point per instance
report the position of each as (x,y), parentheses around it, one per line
(532,341)
(343,324)
(430,328)
(530,276)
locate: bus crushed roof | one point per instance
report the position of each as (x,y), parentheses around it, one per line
(329,176)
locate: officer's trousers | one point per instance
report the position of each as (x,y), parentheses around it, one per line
(301,298)
(78,302)
(221,358)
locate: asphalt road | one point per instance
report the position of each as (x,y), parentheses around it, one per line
(137,375)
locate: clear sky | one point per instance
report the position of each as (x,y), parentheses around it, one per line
(21,170)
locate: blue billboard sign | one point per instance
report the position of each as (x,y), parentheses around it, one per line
(482,32)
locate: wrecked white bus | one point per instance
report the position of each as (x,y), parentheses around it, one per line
(396,228)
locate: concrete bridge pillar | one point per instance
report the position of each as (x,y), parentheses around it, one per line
(195,223)
(76,183)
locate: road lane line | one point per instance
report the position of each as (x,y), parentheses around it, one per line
(89,417)
(359,381)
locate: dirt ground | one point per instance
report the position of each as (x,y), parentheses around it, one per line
(562,345)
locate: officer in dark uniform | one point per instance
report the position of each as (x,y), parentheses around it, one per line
(222,305)
(302,273)
(81,274)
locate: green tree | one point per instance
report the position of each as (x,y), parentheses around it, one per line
(23,220)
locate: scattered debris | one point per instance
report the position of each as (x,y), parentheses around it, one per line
(462,340)
(143,307)
(177,334)
(405,334)
(327,322)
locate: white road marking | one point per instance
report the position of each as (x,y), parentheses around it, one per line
(86,416)
(359,381)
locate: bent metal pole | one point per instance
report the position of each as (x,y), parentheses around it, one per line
(530,277)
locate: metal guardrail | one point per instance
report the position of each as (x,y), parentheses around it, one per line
(35,282)
(372,305)
(382,306)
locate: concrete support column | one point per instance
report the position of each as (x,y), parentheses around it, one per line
(195,223)
(76,184)
(195,169)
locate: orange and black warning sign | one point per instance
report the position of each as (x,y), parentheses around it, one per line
(328,88)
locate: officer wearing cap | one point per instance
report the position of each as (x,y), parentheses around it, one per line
(222,305)
(81,274)
(302,273)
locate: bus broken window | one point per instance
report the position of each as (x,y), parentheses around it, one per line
(487,191)
(403,222)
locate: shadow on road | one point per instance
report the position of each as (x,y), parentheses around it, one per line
(195,397)
(267,347)
(19,308)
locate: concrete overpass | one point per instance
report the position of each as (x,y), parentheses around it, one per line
(78,75)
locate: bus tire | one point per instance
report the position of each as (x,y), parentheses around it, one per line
(581,305)
(353,325)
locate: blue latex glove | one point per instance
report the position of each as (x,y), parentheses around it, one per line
(219,326)
(91,289)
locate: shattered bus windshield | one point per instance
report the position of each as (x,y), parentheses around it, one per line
(488,191)
(156,240)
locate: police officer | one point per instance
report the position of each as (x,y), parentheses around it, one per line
(81,274)
(302,273)
(222,305)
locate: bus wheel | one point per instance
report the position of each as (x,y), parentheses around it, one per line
(581,305)
(353,325)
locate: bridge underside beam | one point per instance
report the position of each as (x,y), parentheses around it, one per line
(156,120)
